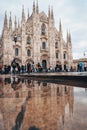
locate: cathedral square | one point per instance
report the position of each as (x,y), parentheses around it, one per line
(42,85)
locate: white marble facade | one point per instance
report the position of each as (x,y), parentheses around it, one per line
(38,40)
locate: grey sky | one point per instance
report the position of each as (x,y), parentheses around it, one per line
(72,13)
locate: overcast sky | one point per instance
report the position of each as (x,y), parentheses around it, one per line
(73,14)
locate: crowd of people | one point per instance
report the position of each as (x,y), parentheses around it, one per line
(81,67)
(15,68)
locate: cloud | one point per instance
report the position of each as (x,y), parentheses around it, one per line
(79,49)
(72,13)
(82,45)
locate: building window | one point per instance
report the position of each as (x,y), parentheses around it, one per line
(28,53)
(64,56)
(56,45)
(43,45)
(28,40)
(43,29)
(56,55)
(16,51)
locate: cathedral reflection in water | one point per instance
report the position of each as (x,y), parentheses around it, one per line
(25,103)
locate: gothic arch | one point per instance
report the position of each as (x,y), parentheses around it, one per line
(65,65)
(58,62)
(44,64)
(45,59)
(29,60)
(18,60)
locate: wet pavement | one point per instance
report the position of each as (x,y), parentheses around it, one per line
(35,105)
(58,73)
(78,78)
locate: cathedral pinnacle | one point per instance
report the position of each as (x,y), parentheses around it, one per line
(18,24)
(37,8)
(23,15)
(28,14)
(60,26)
(52,16)
(15,23)
(10,22)
(10,17)
(33,6)
(5,20)
(49,11)
(67,38)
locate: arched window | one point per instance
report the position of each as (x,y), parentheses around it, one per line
(43,45)
(43,29)
(56,55)
(64,56)
(28,52)
(16,51)
(28,40)
(56,45)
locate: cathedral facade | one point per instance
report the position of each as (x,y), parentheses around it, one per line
(38,40)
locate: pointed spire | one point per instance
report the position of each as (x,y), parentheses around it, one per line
(15,23)
(67,37)
(60,26)
(10,22)
(5,20)
(37,8)
(28,14)
(70,38)
(52,16)
(23,14)
(19,27)
(49,11)
(18,24)
(10,17)
(33,6)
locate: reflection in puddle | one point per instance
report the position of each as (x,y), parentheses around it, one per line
(33,105)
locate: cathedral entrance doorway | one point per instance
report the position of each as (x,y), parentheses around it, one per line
(44,64)
(15,66)
(65,67)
